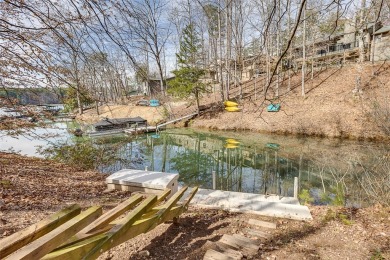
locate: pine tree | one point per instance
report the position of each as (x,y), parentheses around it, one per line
(187,77)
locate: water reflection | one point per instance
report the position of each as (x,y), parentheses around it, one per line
(332,170)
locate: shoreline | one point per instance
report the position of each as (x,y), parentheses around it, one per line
(34,188)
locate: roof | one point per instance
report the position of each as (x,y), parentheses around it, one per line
(120,121)
(383,29)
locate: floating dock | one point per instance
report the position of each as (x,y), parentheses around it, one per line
(265,205)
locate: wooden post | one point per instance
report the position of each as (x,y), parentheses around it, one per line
(296,187)
(214,180)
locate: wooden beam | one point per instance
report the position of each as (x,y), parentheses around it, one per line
(117,231)
(190,197)
(164,211)
(163,195)
(142,224)
(112,214)
(50,241)
(77,250)
(82,248)
(94,229)
(19,239)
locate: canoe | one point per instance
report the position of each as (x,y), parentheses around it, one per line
(230,146)
(232,141)
(272,145)
(230,104)
(232,109)
(273,107)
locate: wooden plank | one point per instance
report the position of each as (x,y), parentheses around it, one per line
(248,241)
(246,248)
(175,211)
(50,241)
(78,250)
(112,214)
(163,195)
(225,249)
(19,239)
(257,233)
(119,230)
(175,120)
(164,211)
(215,255)
(103,223)
(261,223)
(190,197)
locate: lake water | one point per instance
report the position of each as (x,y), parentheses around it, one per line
(239,161)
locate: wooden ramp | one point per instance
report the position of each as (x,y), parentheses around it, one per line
(232,247)
(175,120)
(72,234)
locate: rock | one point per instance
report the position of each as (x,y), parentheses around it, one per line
(144,253)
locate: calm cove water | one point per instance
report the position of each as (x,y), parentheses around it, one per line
(237,161)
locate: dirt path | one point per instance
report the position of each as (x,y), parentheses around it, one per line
(32,189)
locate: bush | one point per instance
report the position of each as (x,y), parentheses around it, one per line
(84,154)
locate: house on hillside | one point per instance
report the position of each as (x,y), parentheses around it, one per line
(340,47)
(152,87)
(381,43)
(344,46)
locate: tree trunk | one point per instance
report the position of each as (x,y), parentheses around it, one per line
(220,52)
(197,101)
(303,50)
(79,103)
(97,107)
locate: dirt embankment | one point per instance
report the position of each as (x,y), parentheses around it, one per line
(152,114)
(336,104)
(31,189)
(333,106)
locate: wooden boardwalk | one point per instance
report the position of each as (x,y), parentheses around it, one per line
(176,120)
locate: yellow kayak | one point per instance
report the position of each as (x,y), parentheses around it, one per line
(232,109)
(230,104)
(232,141)
(230,146)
